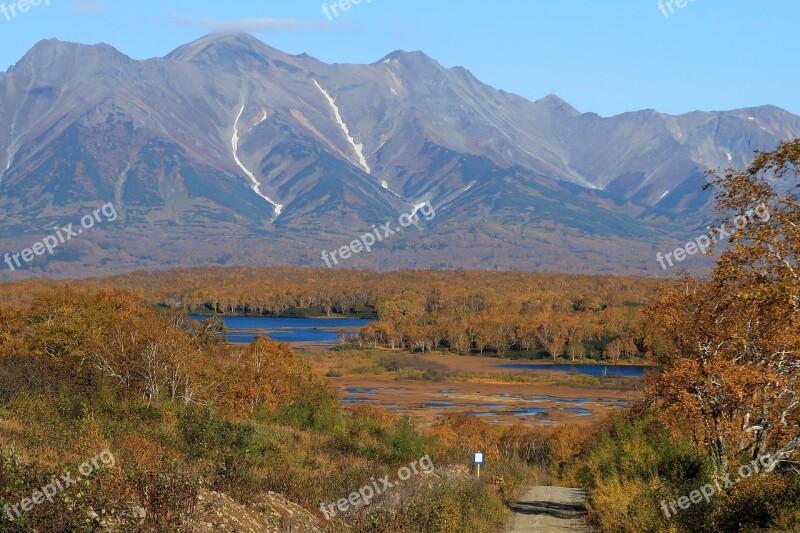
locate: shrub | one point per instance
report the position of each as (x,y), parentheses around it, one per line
(98,499)
(322,416)
(207,435)
(468,506)
(167,495)
(636,464)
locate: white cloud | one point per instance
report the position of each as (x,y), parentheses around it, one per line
(248,25)
(87,6)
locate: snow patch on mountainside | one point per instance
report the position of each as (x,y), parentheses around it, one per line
(256,184)
(358,148)
(397,81)
(417,207)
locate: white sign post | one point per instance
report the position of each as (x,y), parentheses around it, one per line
(478,461)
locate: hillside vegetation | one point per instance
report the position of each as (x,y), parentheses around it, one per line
(714,447)
(197,428)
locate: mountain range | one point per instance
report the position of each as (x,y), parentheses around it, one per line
(227,151)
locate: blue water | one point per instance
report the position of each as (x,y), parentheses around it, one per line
(580,412)
(576,401)
(440,406)
(628,371)
(530,411)
(356,399)
(243,329)
(362,390)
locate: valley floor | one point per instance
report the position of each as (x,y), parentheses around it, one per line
(473,385)
(505,403)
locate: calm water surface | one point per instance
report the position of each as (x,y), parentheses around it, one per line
(243,329)
(627,371)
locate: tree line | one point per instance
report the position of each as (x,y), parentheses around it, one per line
(523,314)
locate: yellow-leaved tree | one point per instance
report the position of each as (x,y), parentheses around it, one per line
(733,359)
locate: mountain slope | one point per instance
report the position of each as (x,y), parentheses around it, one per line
(228,151)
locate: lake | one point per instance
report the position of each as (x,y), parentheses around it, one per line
(626,371)
(243,329)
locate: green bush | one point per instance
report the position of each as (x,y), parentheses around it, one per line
(81,507)
(635,465)
(322,416)
(469,506)
(760,503)
(208,435)
(384,439)
(407,443)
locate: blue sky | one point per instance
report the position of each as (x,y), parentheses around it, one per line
(606,56)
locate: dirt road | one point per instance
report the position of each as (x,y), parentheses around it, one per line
(549,510)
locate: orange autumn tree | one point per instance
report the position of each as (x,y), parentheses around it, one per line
(269,375)
(115,335)
(731,370)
